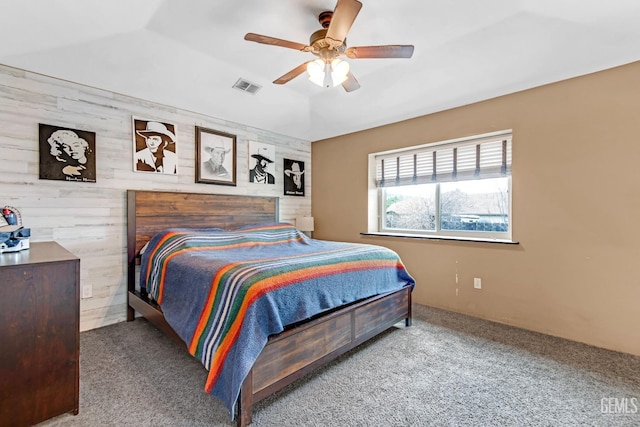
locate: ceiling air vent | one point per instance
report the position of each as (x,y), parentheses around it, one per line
(247,86)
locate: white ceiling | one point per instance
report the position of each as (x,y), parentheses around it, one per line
(189,53)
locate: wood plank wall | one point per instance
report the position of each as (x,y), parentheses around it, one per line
(89,219)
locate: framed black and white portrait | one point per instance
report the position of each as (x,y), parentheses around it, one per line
(215,157)
(67,154)
(261,163)
(154,147)
(293,177)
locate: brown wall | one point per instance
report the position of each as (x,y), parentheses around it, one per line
(576,209)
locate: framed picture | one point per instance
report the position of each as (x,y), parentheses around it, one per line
(293,177)
(67,154)
(261,163)
(154,147)
(215,157)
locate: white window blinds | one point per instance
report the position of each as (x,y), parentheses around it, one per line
(469,159)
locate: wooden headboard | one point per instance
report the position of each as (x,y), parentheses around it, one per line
(149,212)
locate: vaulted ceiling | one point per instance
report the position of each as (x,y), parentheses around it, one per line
(189,53)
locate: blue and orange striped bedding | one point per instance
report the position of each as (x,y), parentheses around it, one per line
(226,292)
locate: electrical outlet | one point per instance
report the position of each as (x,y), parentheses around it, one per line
(87,291)
(477,283)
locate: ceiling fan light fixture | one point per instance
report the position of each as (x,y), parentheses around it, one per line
(330,42)
(315,69)
(339,71)
(328,74)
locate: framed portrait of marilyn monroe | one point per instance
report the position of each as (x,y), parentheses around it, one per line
(67,154)
(215,157)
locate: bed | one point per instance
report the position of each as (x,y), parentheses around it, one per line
(160,219)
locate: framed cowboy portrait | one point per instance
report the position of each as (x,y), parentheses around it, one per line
(261,163)
(215,157)
(293,178)
(154,147)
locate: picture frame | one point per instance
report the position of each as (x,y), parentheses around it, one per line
(293,176)
(216,154)
(66,154)
(154,146)
(262,158)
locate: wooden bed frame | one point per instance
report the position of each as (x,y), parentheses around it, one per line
(287,356)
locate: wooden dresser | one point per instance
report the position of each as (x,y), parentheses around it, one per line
(39,334)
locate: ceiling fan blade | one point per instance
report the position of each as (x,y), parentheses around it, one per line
(351,83)
(291,74)
(343,16)
(389,51)
(258,38)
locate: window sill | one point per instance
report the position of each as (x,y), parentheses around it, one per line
(424,237)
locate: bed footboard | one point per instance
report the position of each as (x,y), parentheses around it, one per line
(298,351)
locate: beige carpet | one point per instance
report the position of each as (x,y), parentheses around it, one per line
(445,370)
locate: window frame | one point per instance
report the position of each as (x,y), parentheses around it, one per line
(377,212)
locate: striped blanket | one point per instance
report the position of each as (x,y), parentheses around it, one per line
(225,292)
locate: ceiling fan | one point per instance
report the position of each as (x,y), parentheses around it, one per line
(328,44)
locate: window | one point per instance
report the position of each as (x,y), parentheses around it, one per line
(451,189)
